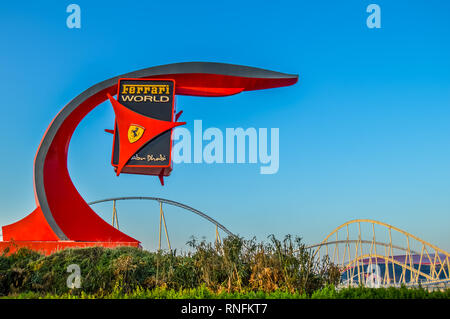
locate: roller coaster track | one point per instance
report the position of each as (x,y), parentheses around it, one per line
(360,261)
(115,221)
(363,242)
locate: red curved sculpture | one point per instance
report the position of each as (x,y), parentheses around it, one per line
(62,217)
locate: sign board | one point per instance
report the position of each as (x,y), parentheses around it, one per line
(153,99)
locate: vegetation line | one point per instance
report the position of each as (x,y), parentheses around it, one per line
(235,268)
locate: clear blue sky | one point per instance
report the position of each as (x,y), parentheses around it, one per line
(364,134)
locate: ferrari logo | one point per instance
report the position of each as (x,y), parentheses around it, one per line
(135,132)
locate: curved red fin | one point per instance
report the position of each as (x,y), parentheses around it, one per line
(60,206)
(207,91)
(32,227)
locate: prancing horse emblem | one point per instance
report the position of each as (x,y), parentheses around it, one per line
(135,132)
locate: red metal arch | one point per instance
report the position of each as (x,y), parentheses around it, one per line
(61,213)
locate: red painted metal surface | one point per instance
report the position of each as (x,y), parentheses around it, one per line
(71,217)
(50,247)
(32,227)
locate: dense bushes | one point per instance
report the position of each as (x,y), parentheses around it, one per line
(379,293)
(235,265)
(235,269)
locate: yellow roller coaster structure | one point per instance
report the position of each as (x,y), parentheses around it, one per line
(374,260)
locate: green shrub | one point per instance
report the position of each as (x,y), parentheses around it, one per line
(237,268)
(203,292)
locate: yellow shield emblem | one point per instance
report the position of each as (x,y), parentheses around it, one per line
(135,132)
